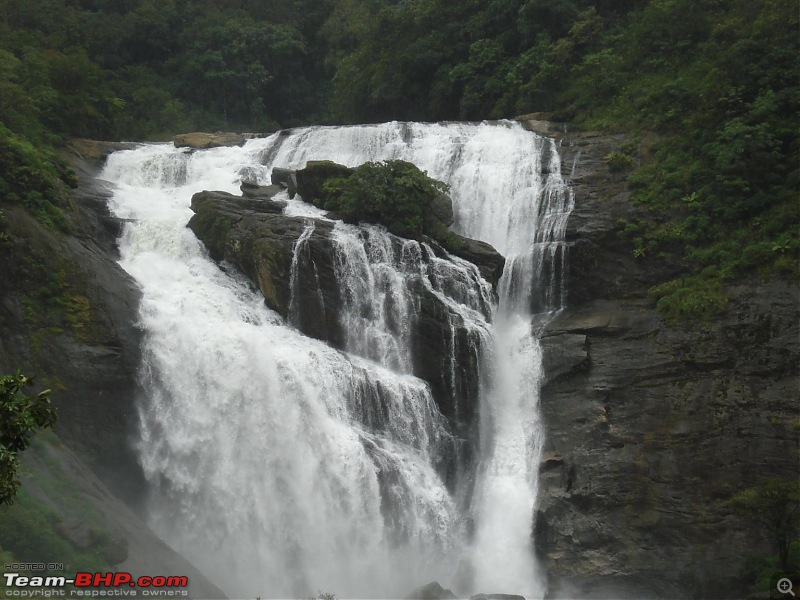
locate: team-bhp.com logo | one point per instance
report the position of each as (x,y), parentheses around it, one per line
(94,585)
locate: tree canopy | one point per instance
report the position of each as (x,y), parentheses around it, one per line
(706,90)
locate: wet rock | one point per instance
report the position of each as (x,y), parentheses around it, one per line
(286,178)
(432,591)
(94,152)
(311,179)
(68,316)
(91,519)
(655,427)
(251,189)
(199,140)
(482,255)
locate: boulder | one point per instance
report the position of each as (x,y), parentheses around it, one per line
(431,591)
(442,209)
(251,189)
(286,178)
(259,239)
(199,140)
(488,260)
(311,179)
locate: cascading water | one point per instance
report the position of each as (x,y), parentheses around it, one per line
(280,466)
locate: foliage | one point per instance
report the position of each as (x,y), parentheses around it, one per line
(775,505)
(34,178)
(618,161)
(712,86)
(697,297)
(22,416)
(394,193)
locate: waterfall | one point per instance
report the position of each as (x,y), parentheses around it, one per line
(280,466)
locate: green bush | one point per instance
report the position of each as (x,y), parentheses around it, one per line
(394,193)
(618,162)
(691,298)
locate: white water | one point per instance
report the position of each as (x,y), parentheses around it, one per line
(281,467)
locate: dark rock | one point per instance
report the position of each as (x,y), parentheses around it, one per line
(655,427)
(257,238)
(200,140)
(490,262)
(253,190)
(94,152)
(286,178)
(442,208)
(93,520)
(311,179)
(432,591)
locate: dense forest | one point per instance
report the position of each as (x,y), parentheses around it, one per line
(706,91)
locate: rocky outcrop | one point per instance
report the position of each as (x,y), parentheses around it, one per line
(311,179)
(199,140)
(255,236)
(308,183)
(259,240)
(651,428)
(483,255)
(286,178)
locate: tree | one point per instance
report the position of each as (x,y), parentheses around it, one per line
(775,505)
(20,417)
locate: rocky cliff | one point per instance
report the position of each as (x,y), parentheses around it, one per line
(67,315)
(651,427)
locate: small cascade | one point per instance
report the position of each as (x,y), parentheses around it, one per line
(301,254)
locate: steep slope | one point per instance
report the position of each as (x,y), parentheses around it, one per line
(653,426)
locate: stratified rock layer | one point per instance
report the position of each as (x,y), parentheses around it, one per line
(651,428)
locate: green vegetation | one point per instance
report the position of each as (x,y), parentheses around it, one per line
(394,193)
(708,89)
(20,417)
(775,505)
(35,178)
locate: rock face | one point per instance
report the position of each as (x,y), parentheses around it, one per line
(316,172)
(259,240)
(67,316)
(651,428)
